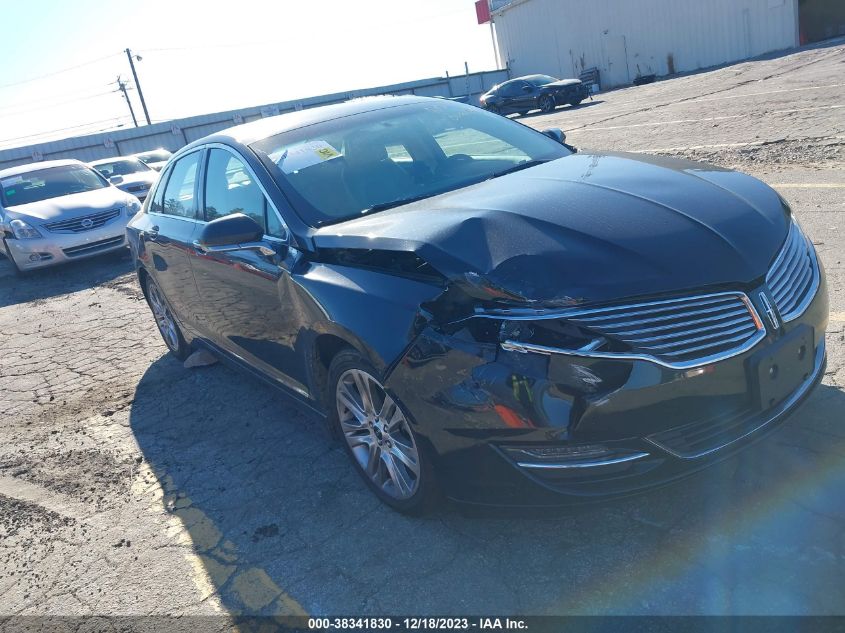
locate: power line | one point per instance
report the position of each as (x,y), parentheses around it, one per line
(57,72)
(55,104)
(63,129)
(76,93)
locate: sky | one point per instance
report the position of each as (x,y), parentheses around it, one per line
(60,60)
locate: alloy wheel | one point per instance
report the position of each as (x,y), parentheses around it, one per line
(378,434)
(546,104)
(163,316)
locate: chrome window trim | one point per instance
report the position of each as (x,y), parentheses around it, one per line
(162,182)
(525,348)
(255,179)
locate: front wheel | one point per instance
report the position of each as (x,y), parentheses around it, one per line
(167,326)
(494,109)
(546,104)
(379,437)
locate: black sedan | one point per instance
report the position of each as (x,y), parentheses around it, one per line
(478,310)
(533,92)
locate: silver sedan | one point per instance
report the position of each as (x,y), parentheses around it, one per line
(128,174)
(58,211)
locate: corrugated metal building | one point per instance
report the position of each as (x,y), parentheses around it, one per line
(627,38)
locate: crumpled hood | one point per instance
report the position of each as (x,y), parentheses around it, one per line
(586,228)
(74,205)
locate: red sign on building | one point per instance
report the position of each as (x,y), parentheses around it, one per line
(482,11)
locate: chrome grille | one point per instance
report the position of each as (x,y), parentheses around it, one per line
(83,223)
(794,277)
(679,332)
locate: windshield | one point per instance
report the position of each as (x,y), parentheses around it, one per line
(154,156)
(343,168)
(540,80)
(122,167)
(52,182)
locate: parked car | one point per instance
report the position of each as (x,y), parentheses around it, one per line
(127,173)
(57,211)
(156,158)
(533,92)
(478,309)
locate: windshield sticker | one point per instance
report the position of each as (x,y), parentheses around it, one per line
(304,156)
(9,182)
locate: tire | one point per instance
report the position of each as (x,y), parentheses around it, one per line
(575,102)
(494,109)
(378,436)
(523,113)
(166,323)
(546,104)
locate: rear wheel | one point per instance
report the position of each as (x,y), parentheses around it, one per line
(167,326)
(546,104)
(575,102)
(379,437)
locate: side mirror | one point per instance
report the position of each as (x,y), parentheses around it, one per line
(233,232)
(556,134)
(116,180)
(526,89)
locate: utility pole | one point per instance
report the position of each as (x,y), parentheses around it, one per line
(138,84)
(121,85)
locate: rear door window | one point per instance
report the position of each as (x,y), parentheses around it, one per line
(180,198)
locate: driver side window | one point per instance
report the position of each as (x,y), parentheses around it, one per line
(230,188)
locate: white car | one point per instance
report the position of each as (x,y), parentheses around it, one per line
(156,158)
(127,173)
(57,211)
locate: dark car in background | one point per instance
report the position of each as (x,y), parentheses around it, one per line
(479,310)
(128,174)
(533,92)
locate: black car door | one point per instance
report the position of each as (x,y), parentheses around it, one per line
(515,97)
(168,231)
(245,294)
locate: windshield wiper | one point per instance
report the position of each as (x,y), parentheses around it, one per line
(519,167)
(381,206)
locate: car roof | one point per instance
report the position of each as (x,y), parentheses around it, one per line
(44,164)
(103,161)
(264,128)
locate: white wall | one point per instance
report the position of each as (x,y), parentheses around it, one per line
(560,37)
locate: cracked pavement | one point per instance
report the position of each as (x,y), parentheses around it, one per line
(130,485)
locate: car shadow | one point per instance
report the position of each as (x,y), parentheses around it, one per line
(58,280)
(560,109)
(284,525)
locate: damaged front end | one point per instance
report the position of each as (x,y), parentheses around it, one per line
(526,404)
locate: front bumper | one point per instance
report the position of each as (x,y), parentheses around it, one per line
(477,406)
(59,248)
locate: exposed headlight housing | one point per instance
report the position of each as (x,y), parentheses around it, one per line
(23,231)
(132,207)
